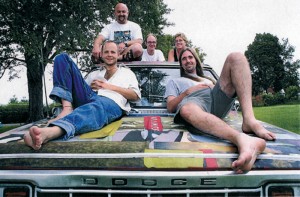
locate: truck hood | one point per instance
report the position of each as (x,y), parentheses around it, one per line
(139,142)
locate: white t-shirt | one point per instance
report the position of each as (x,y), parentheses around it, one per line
(157,56)
(122,32)
(124,78)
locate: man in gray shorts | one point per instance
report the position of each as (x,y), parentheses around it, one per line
(202,103)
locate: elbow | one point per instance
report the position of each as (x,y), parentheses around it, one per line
(170,109)
(140,41)
(134,97)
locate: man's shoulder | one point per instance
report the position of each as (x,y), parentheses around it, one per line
(133,23)
(129,24)
(124,68)
(113,23)
(180,79)
(158,51)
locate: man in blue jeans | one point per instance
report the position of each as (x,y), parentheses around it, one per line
(87,105)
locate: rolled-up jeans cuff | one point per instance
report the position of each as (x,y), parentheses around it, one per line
(68,128)
(59,93)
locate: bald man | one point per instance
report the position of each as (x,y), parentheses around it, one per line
(126,34)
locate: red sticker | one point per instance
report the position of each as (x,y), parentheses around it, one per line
(153,123)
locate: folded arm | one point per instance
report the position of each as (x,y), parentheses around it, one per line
(127,93)
(173,101)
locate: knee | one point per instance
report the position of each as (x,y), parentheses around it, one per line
(61,56)
(137,50)
(236,58)
(187,110)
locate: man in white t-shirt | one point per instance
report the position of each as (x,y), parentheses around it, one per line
(86,105)
(126,34)
(151,53)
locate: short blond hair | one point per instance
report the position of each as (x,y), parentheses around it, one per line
(182,35)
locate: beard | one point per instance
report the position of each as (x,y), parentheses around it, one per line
(122,19)
(189,68)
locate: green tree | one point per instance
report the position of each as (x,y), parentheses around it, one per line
(165,43)
(292,77)
(271,63)
(33,32)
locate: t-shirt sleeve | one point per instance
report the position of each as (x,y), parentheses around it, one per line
(134,84)
(171,89)
(105,32)
(137,32)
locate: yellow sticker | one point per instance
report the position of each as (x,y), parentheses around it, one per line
(171,162)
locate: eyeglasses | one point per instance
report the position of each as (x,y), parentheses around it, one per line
(150,42)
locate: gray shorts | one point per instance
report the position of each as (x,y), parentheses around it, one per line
(213,101)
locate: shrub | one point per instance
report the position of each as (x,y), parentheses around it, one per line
(16,113)
(273,99)
(292,92)
(257,101)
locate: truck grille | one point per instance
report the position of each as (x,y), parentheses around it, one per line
(269,190)
(148,193)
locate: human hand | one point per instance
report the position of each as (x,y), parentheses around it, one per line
(196,88)
(121,47)
(99,84)
(96,55)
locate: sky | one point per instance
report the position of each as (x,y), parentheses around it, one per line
(218,27)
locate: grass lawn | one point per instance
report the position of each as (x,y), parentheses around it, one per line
(284,116)
(6,128)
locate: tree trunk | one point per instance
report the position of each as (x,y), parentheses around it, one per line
(35,89)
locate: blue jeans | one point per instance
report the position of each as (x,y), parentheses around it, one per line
(91,112)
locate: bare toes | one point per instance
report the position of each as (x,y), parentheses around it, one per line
(36,138)
(249,149)
(258,130)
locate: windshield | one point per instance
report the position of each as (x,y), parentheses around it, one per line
(153,81)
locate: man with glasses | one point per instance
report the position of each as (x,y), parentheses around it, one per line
(151,53)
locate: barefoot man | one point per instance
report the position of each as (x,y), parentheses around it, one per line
(83,109)
(198,101)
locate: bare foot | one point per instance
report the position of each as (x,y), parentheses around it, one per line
(249,148)
(255,127)
(34,138)
(66,111)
